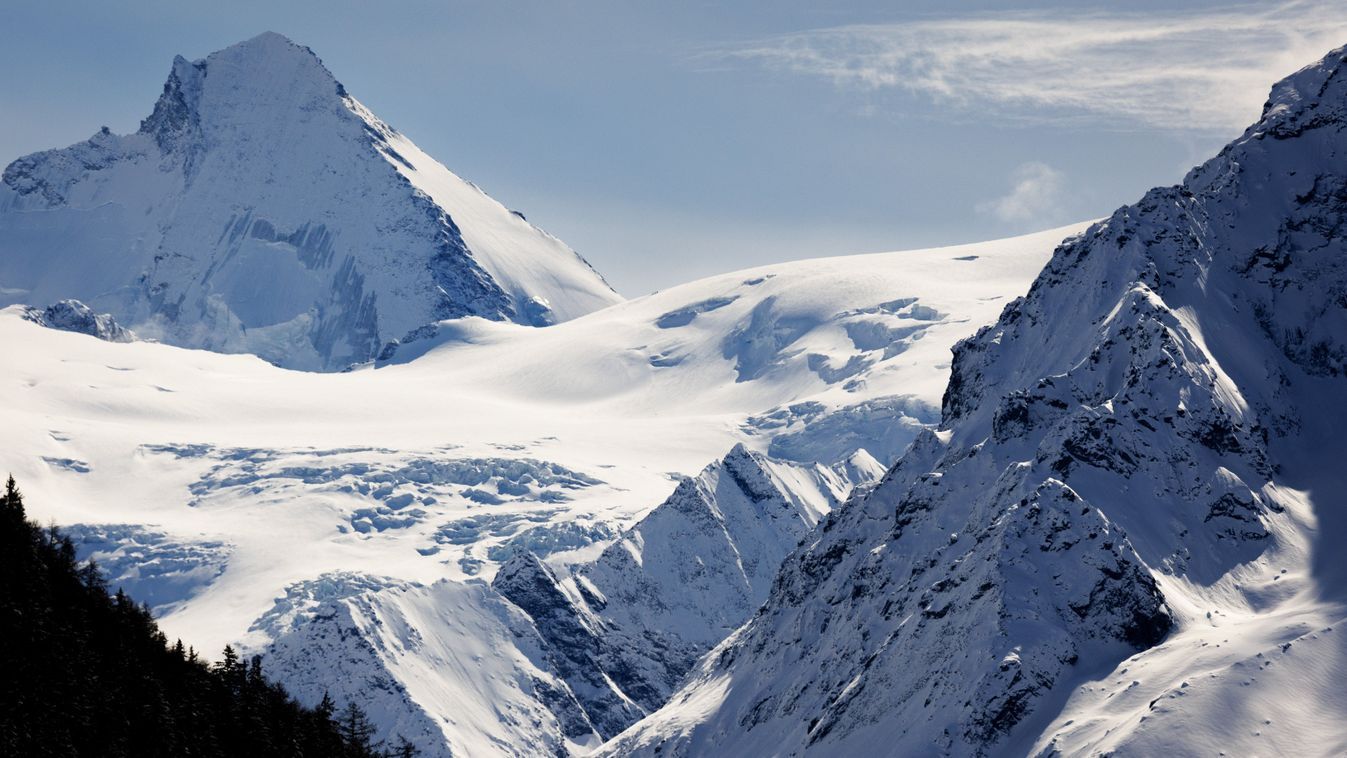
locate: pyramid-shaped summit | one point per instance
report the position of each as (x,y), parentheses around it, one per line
(262,209)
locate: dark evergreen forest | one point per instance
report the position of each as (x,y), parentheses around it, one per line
(85,672)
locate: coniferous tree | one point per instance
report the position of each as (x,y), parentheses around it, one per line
(356,730)
(13,499)
(404,749)
(326,708)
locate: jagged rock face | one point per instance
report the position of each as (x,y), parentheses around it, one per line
(575,644)
(1113,433)
(74,316)
(936,612)
(260,208)
(623,630)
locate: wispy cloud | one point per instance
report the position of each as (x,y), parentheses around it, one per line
(1205,70)
(1035,194)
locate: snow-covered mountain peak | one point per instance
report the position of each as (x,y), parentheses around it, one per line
(260,208)
(271,51)
(267,69)
(1316,93)
(268,74)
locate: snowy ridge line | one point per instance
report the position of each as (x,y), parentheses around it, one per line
(633,621)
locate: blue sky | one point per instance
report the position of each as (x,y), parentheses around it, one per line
(668,141)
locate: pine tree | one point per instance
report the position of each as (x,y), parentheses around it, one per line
(12,501)
(325,739)
(405,749)
(356,730)
(326,708)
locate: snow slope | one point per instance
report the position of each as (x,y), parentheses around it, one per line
(262,209)
(350,504)
(626,627)
(1124,539)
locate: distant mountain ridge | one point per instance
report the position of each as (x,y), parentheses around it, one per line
(262,209)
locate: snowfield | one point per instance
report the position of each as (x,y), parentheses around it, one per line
(320,502)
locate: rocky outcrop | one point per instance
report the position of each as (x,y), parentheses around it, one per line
(74,316)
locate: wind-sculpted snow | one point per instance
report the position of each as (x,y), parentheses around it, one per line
(684,316)
(74,465)
(262,209)
(153,567)
(303,600)
(765,342)
(548,539)
(1129,505)
(472,530)
(491,538)
(831,332)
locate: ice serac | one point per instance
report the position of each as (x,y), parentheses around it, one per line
(260,208)
(623,630)
(1130,490)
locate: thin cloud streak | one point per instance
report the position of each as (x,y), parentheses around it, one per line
(1176,71)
